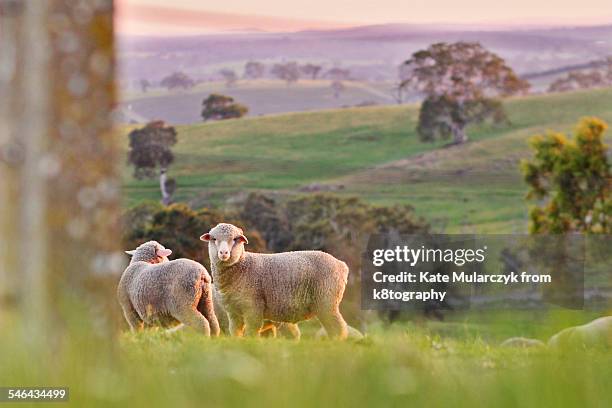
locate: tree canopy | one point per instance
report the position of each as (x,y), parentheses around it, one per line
(460,82)
(177,80)
(219,107)
(311,70)
(254,70)
(289,72)
(150,147)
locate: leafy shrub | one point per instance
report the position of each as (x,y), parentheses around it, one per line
(570,178)
(219,107)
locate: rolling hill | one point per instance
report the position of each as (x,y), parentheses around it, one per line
(374,153)
(263,97)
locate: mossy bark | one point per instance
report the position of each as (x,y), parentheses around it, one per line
(58,163)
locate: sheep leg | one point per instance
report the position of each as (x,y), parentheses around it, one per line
(236,324)
(334,323)
(206,307)
(290,330)
(223,320)
(193,318)
(214,323)
(253,323)
(132,317)
(268,330)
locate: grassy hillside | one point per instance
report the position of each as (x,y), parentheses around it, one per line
(375,153)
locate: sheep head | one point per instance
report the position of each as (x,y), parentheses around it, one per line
(225,244)
(152,252)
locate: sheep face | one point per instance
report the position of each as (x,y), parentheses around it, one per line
(152,252)
(225,244)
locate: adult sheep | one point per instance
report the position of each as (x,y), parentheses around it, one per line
(285,287)
(155,290)
(597,333)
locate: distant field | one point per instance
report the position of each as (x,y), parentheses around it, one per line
(263,97)
(375,153)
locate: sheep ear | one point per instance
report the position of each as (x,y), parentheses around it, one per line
(242,238)
(205,237)
(164,252)
(130,253)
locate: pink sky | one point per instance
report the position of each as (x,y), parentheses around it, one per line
(205,16)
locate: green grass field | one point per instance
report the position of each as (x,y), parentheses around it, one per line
(375,154)
(453,364)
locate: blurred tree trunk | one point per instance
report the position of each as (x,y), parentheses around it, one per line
(59,188)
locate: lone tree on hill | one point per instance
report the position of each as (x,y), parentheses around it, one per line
(572,180)
(177,80)
(254,70)
(460,82)
(219,107)
(150,147)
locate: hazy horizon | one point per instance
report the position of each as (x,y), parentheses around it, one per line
(187,17)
